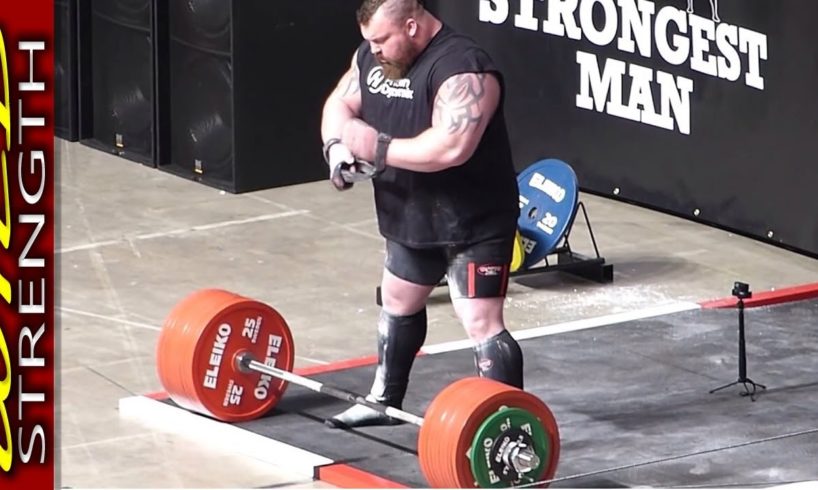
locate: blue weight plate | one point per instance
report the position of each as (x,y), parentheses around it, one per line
(548,203)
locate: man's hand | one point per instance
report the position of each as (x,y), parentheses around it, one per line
(339,157)
(361,139)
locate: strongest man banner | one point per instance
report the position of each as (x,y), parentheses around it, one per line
(703,108)
(27,347)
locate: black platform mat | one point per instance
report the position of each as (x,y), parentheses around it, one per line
(631,401)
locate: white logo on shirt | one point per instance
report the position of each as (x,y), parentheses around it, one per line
(379,84)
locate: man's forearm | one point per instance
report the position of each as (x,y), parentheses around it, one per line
(431,151)
(336,114)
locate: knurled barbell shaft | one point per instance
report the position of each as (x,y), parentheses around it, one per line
(246,362)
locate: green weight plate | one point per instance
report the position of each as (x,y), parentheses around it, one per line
(503,426)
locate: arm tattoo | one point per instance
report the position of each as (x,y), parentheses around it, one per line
(457,107)
(349,84)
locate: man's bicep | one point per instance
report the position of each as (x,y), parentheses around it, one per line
(465,103)
(349,87)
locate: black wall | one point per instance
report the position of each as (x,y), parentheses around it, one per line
(749,159)
(66,97)
(247,82)
(227,93)
(117,77)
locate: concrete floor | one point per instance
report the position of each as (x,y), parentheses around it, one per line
(132,241)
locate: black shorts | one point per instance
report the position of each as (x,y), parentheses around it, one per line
(478,270)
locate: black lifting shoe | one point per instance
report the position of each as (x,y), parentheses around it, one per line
(361,416)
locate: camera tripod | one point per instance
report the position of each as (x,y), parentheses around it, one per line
(742,291)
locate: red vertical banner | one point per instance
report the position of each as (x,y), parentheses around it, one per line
(27,347)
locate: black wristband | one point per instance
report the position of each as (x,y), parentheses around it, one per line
(380,152)
(330,142)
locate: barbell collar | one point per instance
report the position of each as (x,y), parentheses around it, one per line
(522,458)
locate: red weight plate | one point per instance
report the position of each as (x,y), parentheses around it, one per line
(455,415)
(197,350)
(439,435)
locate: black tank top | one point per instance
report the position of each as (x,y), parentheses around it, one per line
(465,204)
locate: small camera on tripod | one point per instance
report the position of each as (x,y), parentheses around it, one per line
(741,290)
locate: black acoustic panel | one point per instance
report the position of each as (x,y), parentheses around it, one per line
(118,100)
(202,23)
(747,161)
(133,13)
(202,113)
(247,83)
(66,97)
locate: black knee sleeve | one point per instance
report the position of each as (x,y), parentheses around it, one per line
(399,340)
(501,359)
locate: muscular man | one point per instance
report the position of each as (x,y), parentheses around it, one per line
(422,106)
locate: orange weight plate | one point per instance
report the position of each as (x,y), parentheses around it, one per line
(441,432)
(197,349)
(453,418)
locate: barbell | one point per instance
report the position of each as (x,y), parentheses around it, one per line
(231,358)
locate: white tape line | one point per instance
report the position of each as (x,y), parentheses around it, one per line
(180,231)
(574,326)
(108,318)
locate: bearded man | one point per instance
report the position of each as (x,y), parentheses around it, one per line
(420,111)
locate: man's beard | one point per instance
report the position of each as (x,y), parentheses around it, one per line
(397,69)
(393,70)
